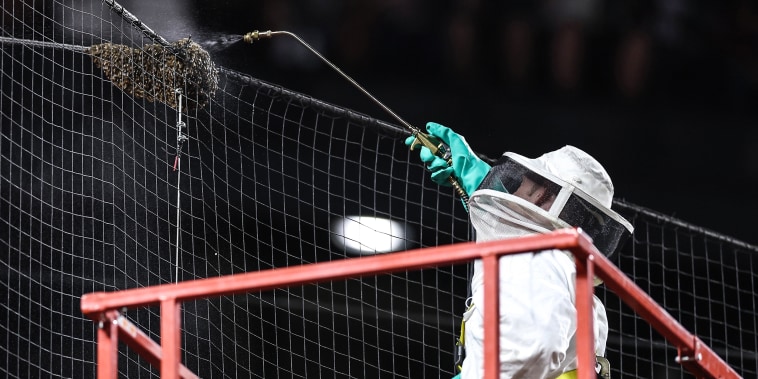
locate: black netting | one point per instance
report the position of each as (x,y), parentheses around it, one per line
(93,198)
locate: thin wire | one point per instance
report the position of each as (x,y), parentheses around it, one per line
(178,219)
(180,138)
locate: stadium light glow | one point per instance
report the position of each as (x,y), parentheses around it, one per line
(366,235)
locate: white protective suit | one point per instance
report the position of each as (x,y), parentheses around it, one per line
(537,290)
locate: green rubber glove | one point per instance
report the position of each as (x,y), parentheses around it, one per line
(469,169)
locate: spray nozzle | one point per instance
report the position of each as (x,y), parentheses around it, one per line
(256,35)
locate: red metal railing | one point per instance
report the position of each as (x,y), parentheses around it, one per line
(102,307)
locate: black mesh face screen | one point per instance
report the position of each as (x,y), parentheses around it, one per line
(606,232)
(507,176)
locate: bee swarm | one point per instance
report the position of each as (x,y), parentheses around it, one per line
(156,71)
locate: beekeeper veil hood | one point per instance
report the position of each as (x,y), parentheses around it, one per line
(563,188)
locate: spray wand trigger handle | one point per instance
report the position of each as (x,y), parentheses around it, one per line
(434,144)
(441,150)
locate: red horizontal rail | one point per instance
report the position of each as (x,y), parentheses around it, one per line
(694,355)
(98,302)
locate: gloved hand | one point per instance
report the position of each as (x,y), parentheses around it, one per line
(467,167)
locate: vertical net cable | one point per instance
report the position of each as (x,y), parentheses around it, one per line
(88,202)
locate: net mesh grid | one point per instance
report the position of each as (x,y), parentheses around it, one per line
(89,195)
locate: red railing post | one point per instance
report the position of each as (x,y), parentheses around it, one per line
(107,346)
(171,339)
(585,330)
(491,316)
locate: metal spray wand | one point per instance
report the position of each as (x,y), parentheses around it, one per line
(431,142)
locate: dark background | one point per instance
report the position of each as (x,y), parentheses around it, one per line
(661,92)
